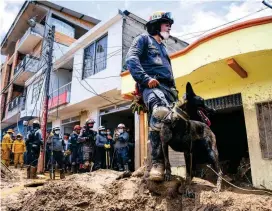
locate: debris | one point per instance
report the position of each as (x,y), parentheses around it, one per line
(100,190)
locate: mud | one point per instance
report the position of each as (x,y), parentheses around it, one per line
(101,191)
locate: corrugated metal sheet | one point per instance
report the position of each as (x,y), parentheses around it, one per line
(229,101)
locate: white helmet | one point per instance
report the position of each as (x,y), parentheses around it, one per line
(55,128)
(121,125)
(36,122)
(101,128)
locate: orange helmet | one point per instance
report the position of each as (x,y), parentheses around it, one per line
(77,127)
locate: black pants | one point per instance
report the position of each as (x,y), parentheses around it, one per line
(157,97)
(32,157)
(100,158)
(57,158)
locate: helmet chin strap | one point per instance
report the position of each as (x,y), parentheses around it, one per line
(159,33)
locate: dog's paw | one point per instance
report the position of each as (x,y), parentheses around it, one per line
(189,193)
(216,190)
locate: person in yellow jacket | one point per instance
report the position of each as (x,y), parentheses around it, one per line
(6,147)
(18,149)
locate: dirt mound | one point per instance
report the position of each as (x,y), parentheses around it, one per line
(101,191)
(9,178)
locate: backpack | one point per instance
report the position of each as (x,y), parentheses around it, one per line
(32,141)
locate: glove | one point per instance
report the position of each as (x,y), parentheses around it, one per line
(107,146)
(67,152)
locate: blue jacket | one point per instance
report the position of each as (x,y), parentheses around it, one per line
(148,59)
(101,140)
(122,140)
(56,143)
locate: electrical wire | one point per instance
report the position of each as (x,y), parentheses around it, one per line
(204,31)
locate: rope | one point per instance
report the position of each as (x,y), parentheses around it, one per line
(260,191)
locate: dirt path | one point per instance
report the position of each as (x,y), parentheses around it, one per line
(101,191)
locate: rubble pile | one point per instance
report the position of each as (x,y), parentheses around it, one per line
(101,191)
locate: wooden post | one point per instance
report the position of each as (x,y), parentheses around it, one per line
(142,137)
(137,141)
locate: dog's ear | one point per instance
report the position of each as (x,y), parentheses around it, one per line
(189,90)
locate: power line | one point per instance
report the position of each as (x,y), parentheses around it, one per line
(204,31)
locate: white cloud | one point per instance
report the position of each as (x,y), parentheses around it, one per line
(8,14)
(201,19)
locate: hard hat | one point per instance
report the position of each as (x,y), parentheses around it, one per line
(121,125)
(77,127)
(90,121)
(101,128)
(36,122)
(160,16)
(56,128)
(10,131)
(19,134)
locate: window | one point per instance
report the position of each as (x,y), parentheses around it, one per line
(101,54)
(95,57)
(264,117)
(36,90)
(63,27)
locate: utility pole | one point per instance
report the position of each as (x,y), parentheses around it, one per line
(49,52)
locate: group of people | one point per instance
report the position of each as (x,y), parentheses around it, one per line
(13,147)
(87,150)
(82,151)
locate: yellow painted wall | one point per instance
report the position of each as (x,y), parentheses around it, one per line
(244,45)
(247,40)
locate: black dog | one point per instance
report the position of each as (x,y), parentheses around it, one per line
(194,138)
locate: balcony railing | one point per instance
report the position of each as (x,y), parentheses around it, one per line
(29,63)
(38,30)
(60,96)
(14,103)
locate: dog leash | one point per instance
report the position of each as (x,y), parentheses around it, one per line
(260,191)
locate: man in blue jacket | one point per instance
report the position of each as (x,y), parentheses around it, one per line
(150,66)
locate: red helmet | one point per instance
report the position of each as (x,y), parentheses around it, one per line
(77,127)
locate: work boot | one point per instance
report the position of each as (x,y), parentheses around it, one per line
(73,169)
(15,166)
(28,172)
(33,172)
(62,174)
(126,168)
(157,172)
(22,166)
(159,113)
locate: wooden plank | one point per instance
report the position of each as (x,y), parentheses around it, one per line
(142,137)
(137,141)
(63,39)
(237,68)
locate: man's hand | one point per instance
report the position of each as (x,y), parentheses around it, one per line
(152,83)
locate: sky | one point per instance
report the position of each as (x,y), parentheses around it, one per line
(189,15)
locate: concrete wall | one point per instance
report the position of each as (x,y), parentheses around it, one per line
(114,61)
(261,169)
